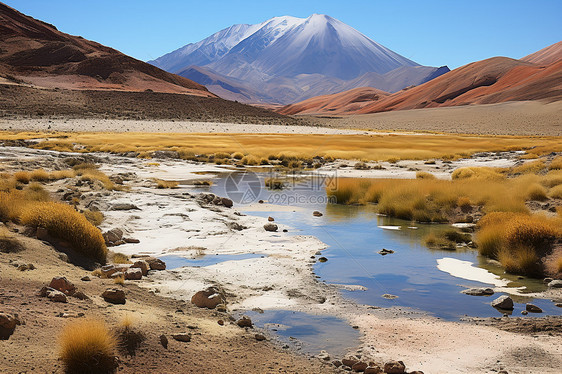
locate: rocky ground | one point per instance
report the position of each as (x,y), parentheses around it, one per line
(280,276)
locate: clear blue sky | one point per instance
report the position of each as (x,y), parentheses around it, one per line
(430,32)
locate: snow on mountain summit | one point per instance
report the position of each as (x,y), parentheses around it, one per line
(287,46)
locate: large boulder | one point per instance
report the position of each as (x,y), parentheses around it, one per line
(8,325)
(503,302)
(209,298)
(63,285)
(133,274)
(114,296)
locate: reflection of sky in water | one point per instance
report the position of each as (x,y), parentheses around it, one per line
(174,262)
(316,332)
(411,273)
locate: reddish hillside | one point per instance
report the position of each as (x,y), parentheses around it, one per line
(36,52)
(546,56)
(495,80)
(340,103)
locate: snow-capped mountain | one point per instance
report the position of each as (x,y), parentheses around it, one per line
(290,48)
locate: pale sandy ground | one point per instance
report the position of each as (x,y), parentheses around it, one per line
(116,125)
(171,222)
(511,118)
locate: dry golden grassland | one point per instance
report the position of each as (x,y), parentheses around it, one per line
(257,147)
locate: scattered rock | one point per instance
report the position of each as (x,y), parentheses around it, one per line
(244,322)
(559,305)
(285,230)
(156,263)
(113,235)
(532,308)
(547,280)
(350,361)
(182,337)
(143,265)
(259,337)
(236,226)
(323,355)
(557,283)
(385,251)
(80,295)
(56,296)
(124,206)
(131,240)
(479,291)
(63,257)
(164,341)
(109,270)
(119,274)
(317,214)
(85,278)
(389,296)
(322,259)
(220,322)
(260,201)
(165,154)
(270,227)
(394,367)
(360,366)
(63,285)
(503,302)
(25,267)
(227,202)
(133,274)
(373,370)
(524,312)
(337,363)
(209,298)
(8,325)
(270,219)
(114,296)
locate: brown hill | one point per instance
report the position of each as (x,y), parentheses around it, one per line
(546,56)
(35,52)
(340,103)
(495,80)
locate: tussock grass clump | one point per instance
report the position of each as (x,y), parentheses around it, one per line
(536,192)
(484,173)
(517,240)
(63,222)
(87,346)
(203,183)
(161,184)
(531,167)
(94,217)
(62,174)
(130,339)
(556,192)
(8,242)
(22,176)
(237,155)
(120,258)
(439,242)
(556,164)
(250,160)
(35,191)
(424,175)
(40,175)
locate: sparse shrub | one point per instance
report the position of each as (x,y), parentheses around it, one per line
(120,280)
(521,260)
(433,241)
(63,222)
(62,174)
(424,175)
(477,173)
(250,160)
(8,243)
(529,167)
(166,184)
(464,202)
(203,183)
(87,346)
(457,237)
(35,192)
(129,338)
(237,155)
(556,164)
(556,192)
(39,175)
(361,166)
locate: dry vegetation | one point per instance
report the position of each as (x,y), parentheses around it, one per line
(87,346)
(258,148)
(508,232)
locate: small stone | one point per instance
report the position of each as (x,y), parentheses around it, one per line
(131,240)
(8,325)
(323,355)
(114,296)
(209,298)
(479,291)
(337,363)
(270,227)
(503,302)
(389,296)
(182,337)
(133,274)
(164,341)
(524,312)
(557,283)
(63,285)
(113,235)
(285,230)
(63,257)
(359,367)
(119,274)
(322,259)
(350,361)
(156,263)
(385,251)
(80,295)
(532,308)
(227,202)
(124,206)
(373,369)
(244,322)
(270,219)
(317,214)
(220,322)
(56,296)
(143,265)
(394,367)
(85,278)
(259,337)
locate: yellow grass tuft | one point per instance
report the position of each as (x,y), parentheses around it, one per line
(556,164)
(39,175)
(424,175)
(94,217)
(120,258)
(120,280)
(161,184)
(536,192)
(485,173)
(87,346)
(63,222)
(556,192)
(529,167)
(22,176)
